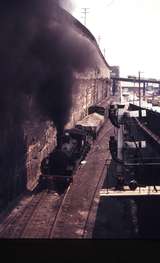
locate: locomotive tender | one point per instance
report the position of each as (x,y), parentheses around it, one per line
(58,167)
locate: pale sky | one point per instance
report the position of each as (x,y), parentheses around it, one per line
(129,31)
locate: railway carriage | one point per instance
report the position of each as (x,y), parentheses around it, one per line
(92,124)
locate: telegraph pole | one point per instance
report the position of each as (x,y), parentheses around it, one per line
(139,78)
(139,74)
(85,11)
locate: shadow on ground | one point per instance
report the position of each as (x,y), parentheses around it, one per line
(113,219)
(126,217)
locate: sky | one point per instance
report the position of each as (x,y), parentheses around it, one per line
(129,33)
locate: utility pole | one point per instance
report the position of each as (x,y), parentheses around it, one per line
(85,11)
(134,93)
(139,78)
(139,75)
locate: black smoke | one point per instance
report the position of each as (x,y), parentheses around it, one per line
(40,50)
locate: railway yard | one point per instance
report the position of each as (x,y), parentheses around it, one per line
(91,207)
(80,140)
(71,215)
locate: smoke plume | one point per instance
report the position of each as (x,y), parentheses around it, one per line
(40,50)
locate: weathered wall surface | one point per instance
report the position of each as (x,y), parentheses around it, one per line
(91,86)
(24,146)
(38,147)
(86,92)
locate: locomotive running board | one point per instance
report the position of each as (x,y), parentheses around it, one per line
(140,191)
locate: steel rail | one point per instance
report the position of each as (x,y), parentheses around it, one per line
(21,232)
(9,229)
(57,215)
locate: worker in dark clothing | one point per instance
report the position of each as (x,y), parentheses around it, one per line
(113,147)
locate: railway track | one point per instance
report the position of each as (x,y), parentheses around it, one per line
(37,219)
(26,222)
(14,224)
(44,218)
(57,214)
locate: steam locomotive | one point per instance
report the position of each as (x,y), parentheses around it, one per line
(58,167)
